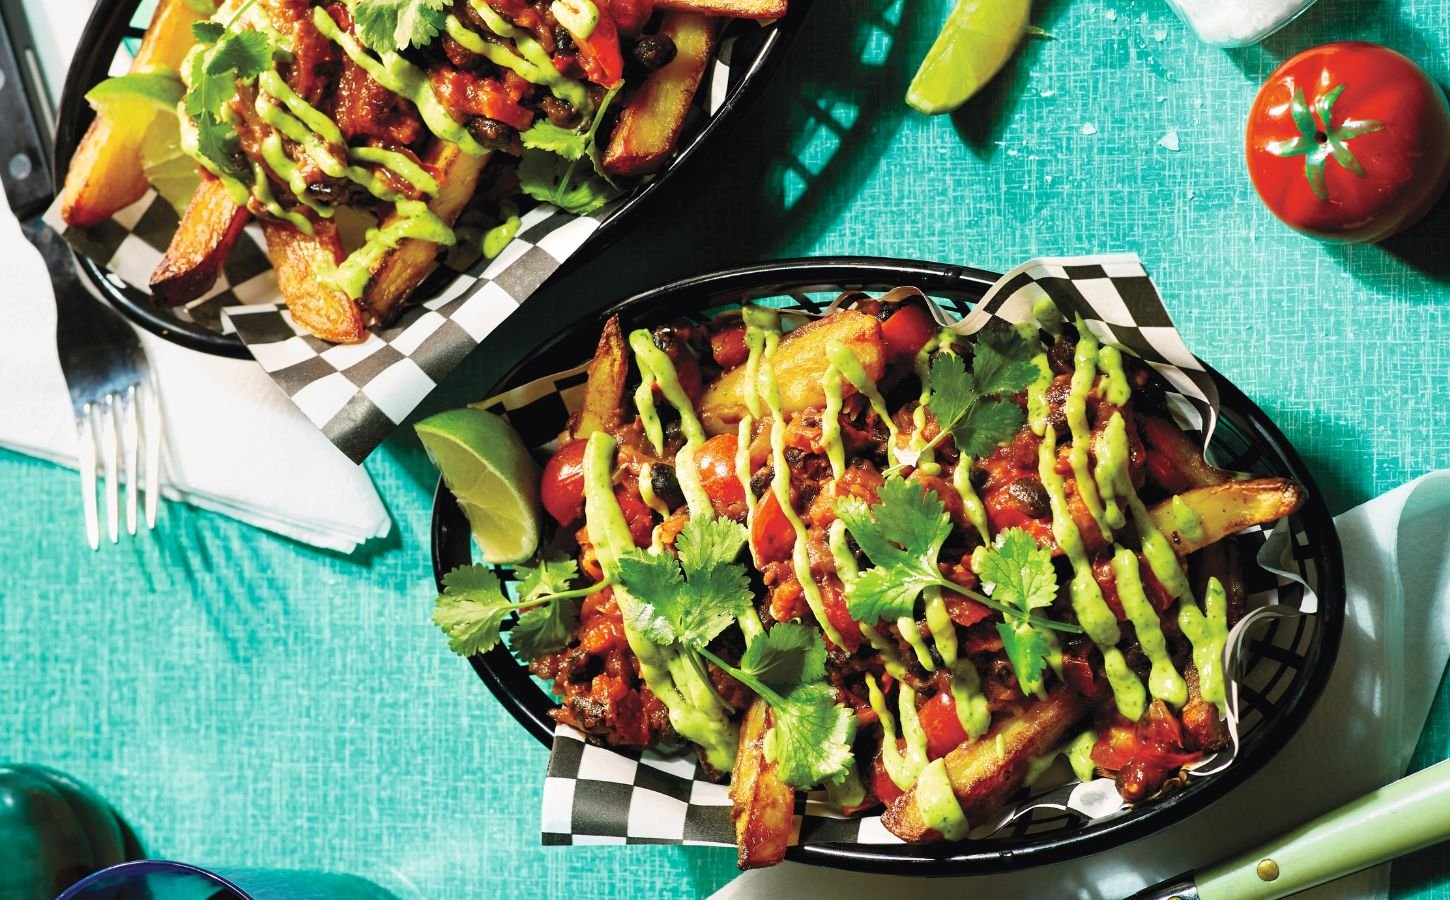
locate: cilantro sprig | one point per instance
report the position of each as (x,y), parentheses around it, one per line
(473,607)
(549,168)
(974,407)
(1021,576)
(391,25)
(689,601)
(224,57)
(902,535)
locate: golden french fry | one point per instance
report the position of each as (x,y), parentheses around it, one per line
(208,230)
(1222,509)
(764,805)
(651,122)
(800,368)
(987,771)
(604,390)
(1183,457)
(297,258)
(735,9)
(105,175)
(403,268)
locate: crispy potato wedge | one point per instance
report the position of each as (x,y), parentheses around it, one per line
(604,390)
(800,368)
(651,123)
(105,174)
(986,772)
(1178,455)
(210,226)
(1225,508)
(764,805)
(325,311)
(403,268)
(734,9)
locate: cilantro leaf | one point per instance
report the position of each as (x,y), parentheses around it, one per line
(217,141)
(548,177)
(471,609)
(207,32)
(547,627)
(1022,578)
(1020,571)
(973,407)
(810,738)
(389,25)
(246,54)
(566,142)
(901,535)
(787,655)
(694,598)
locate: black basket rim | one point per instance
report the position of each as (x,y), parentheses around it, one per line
(106,28)
(518,693)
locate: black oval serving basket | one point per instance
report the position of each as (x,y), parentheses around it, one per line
(754,53)
(1284,682)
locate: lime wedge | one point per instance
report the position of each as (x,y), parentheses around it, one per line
(166,165)
(487,467)
(975,43)
(136,96)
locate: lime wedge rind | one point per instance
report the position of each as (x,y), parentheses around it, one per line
(975,43)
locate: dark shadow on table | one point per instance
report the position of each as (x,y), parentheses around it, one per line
(981,121)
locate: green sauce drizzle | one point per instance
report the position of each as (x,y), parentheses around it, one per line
(971,703)
(1084,374)
(1113,479)
(1207,631)
(844,361)
(939,807)
(1164,682)
(532,63)
(903,768)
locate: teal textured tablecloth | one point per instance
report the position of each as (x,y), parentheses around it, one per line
(246,700)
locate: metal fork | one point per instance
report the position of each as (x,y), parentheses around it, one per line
(118,416)
(113,392)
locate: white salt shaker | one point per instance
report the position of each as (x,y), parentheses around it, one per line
(1237,23)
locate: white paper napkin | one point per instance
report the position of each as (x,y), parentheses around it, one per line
(234,442)
(1360,735)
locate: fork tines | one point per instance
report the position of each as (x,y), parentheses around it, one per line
(113,431)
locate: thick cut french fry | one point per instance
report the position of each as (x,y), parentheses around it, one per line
(105,174)
(651,123)
(735,9)
(1179,455)
(404,267)
(1222,509)
(987,771)
(764,805)
(800,368)
(604,389)
(210,226)
(297,258)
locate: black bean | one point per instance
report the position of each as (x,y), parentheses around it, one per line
(1059,355)
(563,40)
(1030,497)
(666,486)
(559,112)
(654,51)
(492,133)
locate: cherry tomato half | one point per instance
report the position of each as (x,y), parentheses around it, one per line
(772,536)
(1349,142)
(599,53)
(561,487)
(716,461)
(908,330)
(939,722)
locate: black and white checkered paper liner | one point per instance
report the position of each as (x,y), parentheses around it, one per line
(599,795)
(358,393)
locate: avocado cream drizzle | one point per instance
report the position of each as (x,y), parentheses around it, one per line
(404,79)
(972,711)
(1164,682)
(530,63)
(845,362)
(1084,374)
(1186,521)
(765,325)
(1078,752)
(903,767)
(1207,631)
(694,708)
(1112,476)
(940,809)
(1092,611)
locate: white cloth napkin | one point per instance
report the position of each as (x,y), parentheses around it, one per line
(1360,735)
(234,443)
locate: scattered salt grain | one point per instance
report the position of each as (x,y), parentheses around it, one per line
(1111,15)
(1237,23)
(1089,128)
(1046,92)
(1169,141)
